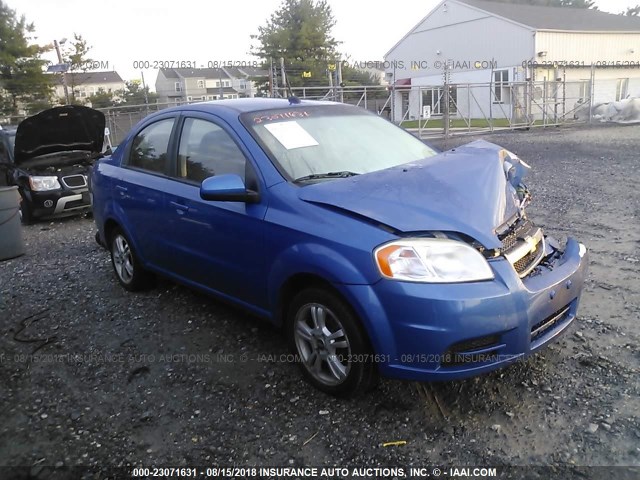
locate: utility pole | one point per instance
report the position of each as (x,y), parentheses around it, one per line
(221,88)
(144,89)
(393,94)
(331,80)
(284,75)
(274,75)
(271,77)
(446,100)
(64,73)
(339,79)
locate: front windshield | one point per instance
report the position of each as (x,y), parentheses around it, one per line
(320,140)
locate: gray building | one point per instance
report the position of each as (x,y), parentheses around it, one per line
(501,44)
(179,85)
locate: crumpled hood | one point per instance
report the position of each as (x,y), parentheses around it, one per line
(470,189)
(59,129)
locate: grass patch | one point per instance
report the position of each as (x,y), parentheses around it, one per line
(460,123)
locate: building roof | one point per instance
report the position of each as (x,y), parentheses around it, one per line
(253,71)
(559,18)
(212,73)
(169,73)
(88,78)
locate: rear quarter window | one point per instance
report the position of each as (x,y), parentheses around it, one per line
(150,146)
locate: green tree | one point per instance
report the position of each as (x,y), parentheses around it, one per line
(300,33)
(101,99)
(632,11)
(74,55)
(578,4)
(136,94)
(23,83)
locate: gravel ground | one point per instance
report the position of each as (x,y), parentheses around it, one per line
(93,375)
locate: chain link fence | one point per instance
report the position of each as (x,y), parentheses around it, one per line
(433,110)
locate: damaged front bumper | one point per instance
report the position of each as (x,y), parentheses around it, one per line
(445,332)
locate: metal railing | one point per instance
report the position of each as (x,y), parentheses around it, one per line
(435,110)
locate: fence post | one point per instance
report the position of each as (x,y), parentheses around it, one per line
(592,87)
(445,99)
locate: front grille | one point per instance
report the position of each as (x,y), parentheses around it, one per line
(548,323)
(510,238)
(529,261)
(74,181)
(523,247)
(75,204)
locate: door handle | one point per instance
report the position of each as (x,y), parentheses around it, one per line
(180,208)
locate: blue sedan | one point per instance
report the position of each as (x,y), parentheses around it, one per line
(376,254)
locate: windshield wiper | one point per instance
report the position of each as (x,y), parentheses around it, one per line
(317,176)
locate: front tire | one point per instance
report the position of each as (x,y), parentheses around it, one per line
(128,269)
(332,347)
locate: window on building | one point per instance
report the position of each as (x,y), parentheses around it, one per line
(149,148)
(206,150)
(501,86)
(622,89)
(431,97)
(200,83)
(178,87)
(434,98)
(585,89)
(226,83)
(189,99)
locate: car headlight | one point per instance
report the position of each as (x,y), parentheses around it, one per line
(42,184)
(432,260)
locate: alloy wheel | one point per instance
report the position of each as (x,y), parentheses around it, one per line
(322,344)
(122,259)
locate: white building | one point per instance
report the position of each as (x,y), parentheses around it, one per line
(84,84)
(502,56)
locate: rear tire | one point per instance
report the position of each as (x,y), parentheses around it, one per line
(331,345)
(128,269)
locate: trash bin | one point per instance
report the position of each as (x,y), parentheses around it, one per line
(11,241)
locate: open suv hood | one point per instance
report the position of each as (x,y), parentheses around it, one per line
(473,190)
(60,129)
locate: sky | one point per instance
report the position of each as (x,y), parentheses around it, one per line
(123,33)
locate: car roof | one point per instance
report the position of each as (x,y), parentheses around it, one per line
(243,105)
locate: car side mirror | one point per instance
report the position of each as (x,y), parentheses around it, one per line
(227,188)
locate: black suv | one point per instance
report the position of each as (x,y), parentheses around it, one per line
(51,157)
